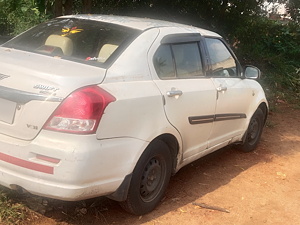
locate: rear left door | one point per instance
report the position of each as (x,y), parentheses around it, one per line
(189,97)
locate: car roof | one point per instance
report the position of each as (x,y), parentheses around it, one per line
(142,23)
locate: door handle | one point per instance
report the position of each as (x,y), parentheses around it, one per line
(174,93)
(221,89)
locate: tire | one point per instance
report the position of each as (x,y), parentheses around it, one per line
(150,179)
(254,131)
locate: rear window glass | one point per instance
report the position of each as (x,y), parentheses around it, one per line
(176,61)
(84,41)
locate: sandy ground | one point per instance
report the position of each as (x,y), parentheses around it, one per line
(261,187)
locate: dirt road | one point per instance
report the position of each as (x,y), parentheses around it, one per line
(262,187)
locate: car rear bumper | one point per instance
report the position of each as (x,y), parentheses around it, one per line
(66,167)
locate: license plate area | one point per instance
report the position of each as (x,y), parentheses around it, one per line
(7,110)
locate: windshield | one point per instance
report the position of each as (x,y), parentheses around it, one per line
(84,41)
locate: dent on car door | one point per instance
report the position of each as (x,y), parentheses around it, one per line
(190,97)
(233,94)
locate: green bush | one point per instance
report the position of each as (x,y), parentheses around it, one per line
(20,15)
(274,47)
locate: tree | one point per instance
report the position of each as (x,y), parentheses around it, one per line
(20,14)
(293,8)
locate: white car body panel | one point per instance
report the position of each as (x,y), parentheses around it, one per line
(234,100)
(149,119)
(195,94)
(132,65)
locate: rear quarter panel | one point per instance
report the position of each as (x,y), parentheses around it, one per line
(138,110)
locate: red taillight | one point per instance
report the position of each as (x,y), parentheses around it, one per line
(81,111)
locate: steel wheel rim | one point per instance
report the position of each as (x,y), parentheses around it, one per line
(253,131)
(152,179)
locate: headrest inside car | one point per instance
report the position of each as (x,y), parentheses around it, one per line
(106,51)
(64,43)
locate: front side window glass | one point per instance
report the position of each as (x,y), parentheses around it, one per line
(222,61)
(187,60)
(83,41)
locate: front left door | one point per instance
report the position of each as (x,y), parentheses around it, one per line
(233,94)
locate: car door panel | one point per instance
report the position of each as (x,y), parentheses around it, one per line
(231,109)
(191,112)
(189,96)
(233,93)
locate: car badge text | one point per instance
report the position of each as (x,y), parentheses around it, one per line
(45,87)
(2,76)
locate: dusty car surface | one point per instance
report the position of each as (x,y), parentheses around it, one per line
(95,105)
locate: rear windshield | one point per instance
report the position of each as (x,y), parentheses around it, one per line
(83,41)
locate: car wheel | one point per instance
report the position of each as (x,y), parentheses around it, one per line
(149,179)
(254,131)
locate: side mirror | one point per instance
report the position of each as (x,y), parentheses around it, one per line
(252,72)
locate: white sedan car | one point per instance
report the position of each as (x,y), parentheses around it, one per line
(96,105)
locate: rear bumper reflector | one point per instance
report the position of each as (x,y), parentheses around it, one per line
(26,164)
(48,159)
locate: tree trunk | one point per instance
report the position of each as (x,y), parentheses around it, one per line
(58,8)
(68,7)
(87,6)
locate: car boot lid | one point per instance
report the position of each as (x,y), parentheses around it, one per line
(32,84)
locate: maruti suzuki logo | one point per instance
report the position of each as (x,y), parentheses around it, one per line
(2,76)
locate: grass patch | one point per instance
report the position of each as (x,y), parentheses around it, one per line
(10,212)
(270,124)
(297,106)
